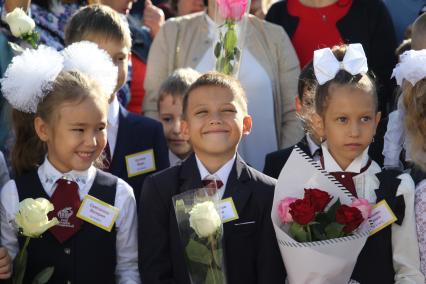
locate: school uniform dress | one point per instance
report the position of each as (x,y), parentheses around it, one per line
(131,135)
(275,161)
(392,254)
(251,251)
(91,255)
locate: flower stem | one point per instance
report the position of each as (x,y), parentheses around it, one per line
(212,246)
(308,228)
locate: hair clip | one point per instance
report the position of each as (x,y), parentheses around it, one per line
(412,67)
(326,64)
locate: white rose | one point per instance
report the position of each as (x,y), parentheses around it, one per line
(32,216)
(19,22)
(204,219)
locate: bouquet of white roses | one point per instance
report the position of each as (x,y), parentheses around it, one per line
(32,222)
(200,228)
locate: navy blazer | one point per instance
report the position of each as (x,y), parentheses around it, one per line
(275,161)
(135,134)
(250,249)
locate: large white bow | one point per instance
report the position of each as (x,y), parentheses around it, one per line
(326,64)
(411,67)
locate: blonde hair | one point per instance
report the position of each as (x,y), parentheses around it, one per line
(29,151)
(415,121)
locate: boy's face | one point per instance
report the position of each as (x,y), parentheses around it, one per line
(214,122)
(119,53)
(170,111)
(349,123)
(121,6)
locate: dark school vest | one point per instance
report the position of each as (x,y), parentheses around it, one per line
(375,262)
(87,257)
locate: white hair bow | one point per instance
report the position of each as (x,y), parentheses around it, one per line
(411,67)
(326,64)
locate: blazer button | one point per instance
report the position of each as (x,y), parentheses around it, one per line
(68,281)
(67,251)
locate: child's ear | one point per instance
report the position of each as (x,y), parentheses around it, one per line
(318,124)
(41,128)
(298,104)
(184,128)
(247,125)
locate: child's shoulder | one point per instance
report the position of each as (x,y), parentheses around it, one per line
(259,183)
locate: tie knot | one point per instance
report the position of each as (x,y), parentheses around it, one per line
(66,183)
(213,184)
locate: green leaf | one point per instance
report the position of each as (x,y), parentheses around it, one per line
(217,49)
(323,219)
(318,232)
(331,213)
(298,232)
(214,276)
(218,256)
(228,68)
(43,276)
(334,230)
(198,252)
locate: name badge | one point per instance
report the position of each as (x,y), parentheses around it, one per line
(227,211)
(140,163)
(381,217)
(98,213)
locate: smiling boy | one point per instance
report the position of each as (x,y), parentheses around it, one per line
(214,120)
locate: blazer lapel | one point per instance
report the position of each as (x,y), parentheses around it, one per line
(122,143)
(304,146)
(236,185)
(189,176)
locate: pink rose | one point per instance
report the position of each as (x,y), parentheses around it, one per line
(284,209)
(232,9)
(364,206)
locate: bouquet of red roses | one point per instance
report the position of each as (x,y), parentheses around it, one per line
(309,221)
(320,230)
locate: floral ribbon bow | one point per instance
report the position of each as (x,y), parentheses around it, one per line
(326,64)
(411,67)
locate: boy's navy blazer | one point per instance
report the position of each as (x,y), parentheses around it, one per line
(250,247)
(275,161)
(135,134)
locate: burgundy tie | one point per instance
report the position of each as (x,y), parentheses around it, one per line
(66,202)
(212,185)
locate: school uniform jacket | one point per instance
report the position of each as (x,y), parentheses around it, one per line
(250,249)
(137,134)
(275,161)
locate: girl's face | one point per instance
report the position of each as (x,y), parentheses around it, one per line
(76,134)
(349,123)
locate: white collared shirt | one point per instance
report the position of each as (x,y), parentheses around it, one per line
(174,160)
(126,243)
(330,165)
(313,147)
(221,174)
(113,122)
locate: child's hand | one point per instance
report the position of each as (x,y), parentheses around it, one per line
(153,17)
(5,264)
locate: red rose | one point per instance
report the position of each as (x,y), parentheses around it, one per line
(349,216)
(318,198)
(302,211)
